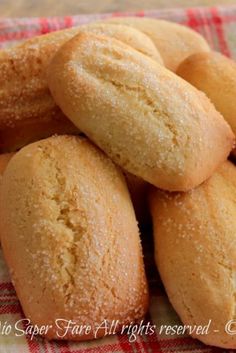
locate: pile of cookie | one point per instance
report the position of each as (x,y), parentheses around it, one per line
(94,121)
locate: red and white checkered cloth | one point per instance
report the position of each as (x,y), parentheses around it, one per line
(218,26)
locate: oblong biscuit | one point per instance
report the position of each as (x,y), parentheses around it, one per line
(66,209)
(195,251)
(147,119)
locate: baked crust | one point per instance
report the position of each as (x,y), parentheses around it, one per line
(65,207)
(147,119)
(27,110)
(195,234)
(173,41)
(215,75)
(131,36)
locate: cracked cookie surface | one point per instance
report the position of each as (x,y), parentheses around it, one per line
(148,120)
(70,236)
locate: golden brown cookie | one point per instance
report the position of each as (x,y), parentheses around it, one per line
(195,251)
(66,209)
(147,119)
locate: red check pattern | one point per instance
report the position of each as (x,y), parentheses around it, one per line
(218,26)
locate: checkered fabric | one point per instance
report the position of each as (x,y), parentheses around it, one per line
(218,26)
